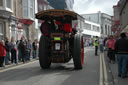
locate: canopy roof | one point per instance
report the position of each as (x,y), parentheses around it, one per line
(54,13)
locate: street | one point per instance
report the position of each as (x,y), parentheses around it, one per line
(94,72)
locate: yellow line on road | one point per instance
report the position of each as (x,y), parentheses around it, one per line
(6,69)
(101,71)
(105,70)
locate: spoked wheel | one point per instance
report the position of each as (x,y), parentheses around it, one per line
(43,53)
(78,51)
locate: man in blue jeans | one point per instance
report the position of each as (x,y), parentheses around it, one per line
(121,49)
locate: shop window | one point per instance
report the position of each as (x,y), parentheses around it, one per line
(26,32)
(13,32)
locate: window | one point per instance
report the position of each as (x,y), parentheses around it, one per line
(87,26)
(1,30)
(106,31)
(28,8)
(25,8)
(26,32)
(1,2)
(102,31)
(31,8)
(8,3)
(40,7)
(96,28)
(13,32)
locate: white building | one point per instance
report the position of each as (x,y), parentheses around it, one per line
(103,19)
(91,29)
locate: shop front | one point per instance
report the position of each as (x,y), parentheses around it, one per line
(23,28)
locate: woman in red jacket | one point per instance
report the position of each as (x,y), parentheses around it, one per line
(2,53)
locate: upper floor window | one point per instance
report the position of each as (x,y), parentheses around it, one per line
(40,7)
(25,8)
(1,30)
(28,8)
(87,26)
(1,2)
(96,28)
(31,8)
(8,3)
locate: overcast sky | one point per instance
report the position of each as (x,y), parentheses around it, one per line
(93,6)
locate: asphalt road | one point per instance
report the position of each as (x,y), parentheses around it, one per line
(58,74)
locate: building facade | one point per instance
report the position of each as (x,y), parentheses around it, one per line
(6,10)
(26,15)
(116,20)
(17,19)
(103,19)
(91,29)
(106,25)
(123,15)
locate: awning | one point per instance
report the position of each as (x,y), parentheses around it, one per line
(26,21)
(23,22)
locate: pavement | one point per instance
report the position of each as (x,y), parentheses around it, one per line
(13,65)
(112,68)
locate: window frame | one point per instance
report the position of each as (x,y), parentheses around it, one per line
(2,31)
(2,3)
(11,5)
(28,6)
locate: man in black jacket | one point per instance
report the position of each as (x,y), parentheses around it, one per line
(7,47)
(121,49)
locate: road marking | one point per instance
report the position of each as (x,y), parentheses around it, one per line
(105,70)
(17,66)
(101,71)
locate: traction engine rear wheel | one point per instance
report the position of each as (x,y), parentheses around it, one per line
(43,53)
(78,51)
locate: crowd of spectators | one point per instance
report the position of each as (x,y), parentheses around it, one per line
(116,48)
(13,52)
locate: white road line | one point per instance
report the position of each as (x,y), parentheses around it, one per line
(101,71)
(17,66)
